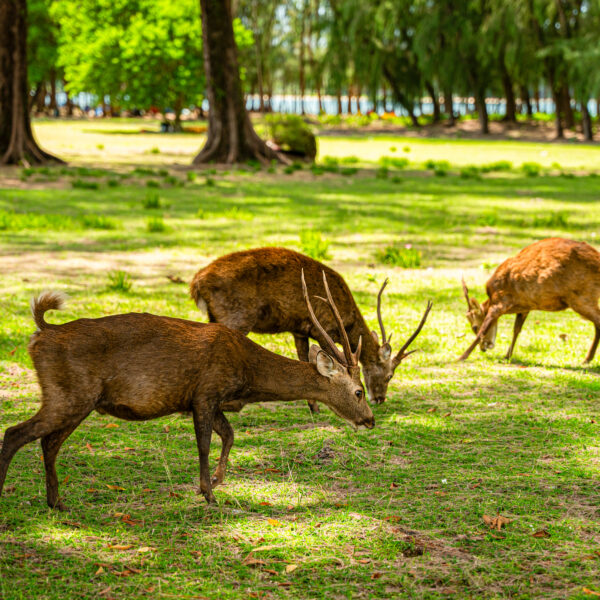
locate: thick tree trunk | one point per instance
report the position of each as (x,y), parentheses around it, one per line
(302,62)
(509,94)
(231,137)
(17,144)
(526,99)
(586,122)
(482,114)
(436,102)
(448,106)
(558,113)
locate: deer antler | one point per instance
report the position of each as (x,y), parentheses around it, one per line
(383,338)
(401,354)
(334,349)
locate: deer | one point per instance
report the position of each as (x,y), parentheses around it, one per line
(139,366)
(550,275)
(256,290)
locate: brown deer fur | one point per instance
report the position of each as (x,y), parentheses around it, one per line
(258,290)
(551,275)
(139,366)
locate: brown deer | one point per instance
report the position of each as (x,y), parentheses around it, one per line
(551,275)
(140,366)
(257,290)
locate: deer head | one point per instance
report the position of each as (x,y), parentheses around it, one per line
(345,395)
(476,314)
(379,372)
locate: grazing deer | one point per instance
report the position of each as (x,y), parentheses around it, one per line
(140,366)
(551,275)
(257,290)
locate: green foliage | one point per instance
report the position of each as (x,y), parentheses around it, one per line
(531,169)
(292,134)
(499,165)
(394,162)
(348,171)
(152,183)
(152,200)
(382,172)
(405,256)
(470,172)
(119,281)
(314,245)
(83,184)
(155,225)
(98,222)
(191,176)
(349,160)
(552,220)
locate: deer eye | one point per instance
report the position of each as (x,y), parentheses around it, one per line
(358,394)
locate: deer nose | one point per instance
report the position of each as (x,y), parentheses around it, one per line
(379,399)
(369,423)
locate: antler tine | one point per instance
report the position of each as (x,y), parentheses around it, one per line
(379,318)
(350,358)
(356,354)
(465,290)
(334,349)
(401,354)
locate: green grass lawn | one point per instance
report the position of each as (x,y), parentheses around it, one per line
(310,508)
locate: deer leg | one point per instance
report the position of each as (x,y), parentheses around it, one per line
(225,432)
(519,320)
(51,444)
(492,315)
(591,312)
(301,342)
(203,415)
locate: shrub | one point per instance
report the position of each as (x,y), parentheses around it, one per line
(382,173)
(209,181)
(100,146)
(152,200)
(289,169)
(172,180)
(470,172)
(396,179)
(163,173)
(553,220)
(499,165)
(113,183)
(143,171)
(293,135)
(155,225)
(317,170)
(85,185)
(119,281)
(98,222)
(152,183)
(154,150)
(349,160)
(191,176)
(393,161)
(531,169)
(405,256)
(348,171)
(439,167)
(314,245)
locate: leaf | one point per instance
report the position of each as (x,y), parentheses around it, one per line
(496,522)
(120,546)
(99,571)
(432,409)
(166,429)
(114,487)
(111,425)
(364,561)
(263,548)
(393,485)
(265,504)
(590,592)
(274,522)
(376,575)
(540,533)
(290,568)
(250,561)
(89,447)
(144,549)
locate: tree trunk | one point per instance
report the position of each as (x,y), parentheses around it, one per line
(509,93)
(17,144)
(536,96)
(558,110)
(482,114)
(436,102)
(231,137)
(400,97)
(526,99)
(301,61)
(338,95)
(69,103)
(53,106)
(586,122)
(35,97)
(40,101)
(448,106)
(567,109)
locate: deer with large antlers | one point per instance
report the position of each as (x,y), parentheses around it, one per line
(256,290)
(550,275)
(140,366)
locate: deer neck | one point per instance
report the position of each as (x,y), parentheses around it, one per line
(370,348)
(279,378)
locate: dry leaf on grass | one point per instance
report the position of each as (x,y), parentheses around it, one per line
(541,533)
(89,447)
(115,487)
(120,546)
(175,279)
(274,522)
(99,571)
(376,575)
(290,568)
(112,425)
(590,592)
(250,561)
(496,522)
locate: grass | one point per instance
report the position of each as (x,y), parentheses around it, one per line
(310,508)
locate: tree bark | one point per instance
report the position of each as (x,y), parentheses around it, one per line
(509,94)
(400,97)
(436,102)
(482,114)
(17,144)
(448,106)
(53,106)
(338,95)
(567,109)
(231,137)
(526,98)
(586,122)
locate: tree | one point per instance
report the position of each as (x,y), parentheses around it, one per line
(231,137)
(17,143)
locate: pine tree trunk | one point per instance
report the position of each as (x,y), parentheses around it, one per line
(231,137)
(17,144)
(586,122)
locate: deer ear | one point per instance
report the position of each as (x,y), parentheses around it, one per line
(375,337)
(324,363)
(385,351)
(475,305)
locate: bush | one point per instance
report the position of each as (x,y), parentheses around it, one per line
(152,200)
(154,150)
(349,160)
(119,281)
(155,225)
(314,245)
(406,256)
(470,172)
(439,167)
(531,169)
(98,222)
(499,165)
(152,183)
(191,176)
(553,220)
(382,173)
(292,135)
(348,171)
(393,161)
(82,184)
(113,183)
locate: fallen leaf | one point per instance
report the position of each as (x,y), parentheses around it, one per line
(272,471)
(393,485)
(13,351)
(284,584)
(265,504)
(447,414)
(496,522)
(146,549)
(563,337)
(92,490)
(133,569)
(290,568)
(432,409)
(112,425)
(132,523)
(364,561)
(263,548)
(175,279)
(89,447)
(289,507)
(274,522)
(146,490)
(376,575)
(114,487)
(150,589)
(174,495)
(120,546)
(99,571)
(540,533)
(166,429)
(271,571)
(250,561)
(66,479)
(590,592)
